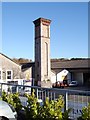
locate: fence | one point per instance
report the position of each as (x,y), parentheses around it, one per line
(74,99)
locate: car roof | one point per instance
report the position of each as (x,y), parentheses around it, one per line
(5,110)
(3,103)
(73,82)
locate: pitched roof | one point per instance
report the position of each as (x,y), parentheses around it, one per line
(63,64)
(9,59)
(83,63)
(27,65)
(59,64)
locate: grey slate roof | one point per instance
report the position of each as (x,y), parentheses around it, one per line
(60,64)
(84,63)
(28,65)
(9,58)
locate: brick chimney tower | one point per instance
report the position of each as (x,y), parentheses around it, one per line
(42,50)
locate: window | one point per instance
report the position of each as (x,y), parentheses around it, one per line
(8,74)
(48,31)
(46,59)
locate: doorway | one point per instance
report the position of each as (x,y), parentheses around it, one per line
(86,77)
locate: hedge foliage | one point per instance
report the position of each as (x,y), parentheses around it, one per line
(48,110)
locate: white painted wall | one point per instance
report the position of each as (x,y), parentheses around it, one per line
(60,76)
(53,77)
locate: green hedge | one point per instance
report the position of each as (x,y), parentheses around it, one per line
(85,113)
(49,110)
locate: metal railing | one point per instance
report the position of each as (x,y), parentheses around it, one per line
(74,99)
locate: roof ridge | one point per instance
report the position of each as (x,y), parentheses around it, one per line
(9,58)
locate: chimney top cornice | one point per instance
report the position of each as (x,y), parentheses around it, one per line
(41,20)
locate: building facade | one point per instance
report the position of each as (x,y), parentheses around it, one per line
(79,70)
(9,70)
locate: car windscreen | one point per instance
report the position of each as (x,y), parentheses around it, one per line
(12,108)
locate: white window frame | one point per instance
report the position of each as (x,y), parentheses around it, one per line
(8,75)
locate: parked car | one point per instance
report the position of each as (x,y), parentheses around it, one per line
(7,112)
(73,83)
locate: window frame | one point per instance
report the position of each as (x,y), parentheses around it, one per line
(7,75)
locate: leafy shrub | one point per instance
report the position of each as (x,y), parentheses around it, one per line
(52,109)
(4,96)
(49,110)
(85,113)
(66,114)
(31,108)
(12,99)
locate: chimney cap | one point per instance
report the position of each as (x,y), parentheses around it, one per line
(39,20)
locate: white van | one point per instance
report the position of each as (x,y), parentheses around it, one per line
(7,112)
